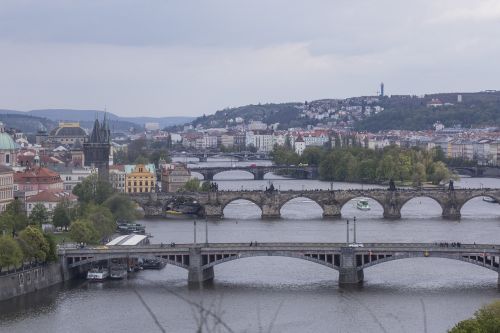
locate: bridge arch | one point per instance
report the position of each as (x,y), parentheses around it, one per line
(241,171)
(289,201)
(406,204)
(327,260)
(475,196)
(464,258)
(363,195)
(244,199)
(176,260)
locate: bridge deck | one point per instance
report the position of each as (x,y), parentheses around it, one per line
(215,247)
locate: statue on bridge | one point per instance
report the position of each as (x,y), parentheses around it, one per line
(214,187)
(270,188)
(450,186)
(392,185)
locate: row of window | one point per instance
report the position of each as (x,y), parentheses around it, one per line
(6,180)
(6,194)
(140,190)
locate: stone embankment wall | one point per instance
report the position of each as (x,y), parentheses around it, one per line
(29,280)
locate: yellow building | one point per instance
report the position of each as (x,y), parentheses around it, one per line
(140,178)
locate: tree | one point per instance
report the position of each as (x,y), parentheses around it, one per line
(312,155)
(419,175)
(14,218)
(10,252)
(440,172)
(486,320)
(205,186)
(122,208)
(39,215)
(33,243)
(93,190)
(82,231)
(101,219)
(192,185)
(61,217)
(52,253)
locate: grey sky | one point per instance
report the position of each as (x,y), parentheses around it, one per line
(163,57)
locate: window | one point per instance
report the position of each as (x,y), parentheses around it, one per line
(7,158)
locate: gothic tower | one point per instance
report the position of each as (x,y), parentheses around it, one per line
(97,149)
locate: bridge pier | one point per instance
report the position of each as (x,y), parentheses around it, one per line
(349,273)
(392,212)
(331,211)
(214,211)
(270,211)
(196,273)
(451,212)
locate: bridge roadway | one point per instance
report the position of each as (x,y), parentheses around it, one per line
(258,172)
(240,156)
(212,204)
(200,259)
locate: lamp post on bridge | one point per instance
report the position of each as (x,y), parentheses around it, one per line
(206,231)
(354,227)
(347,242)
(194,231)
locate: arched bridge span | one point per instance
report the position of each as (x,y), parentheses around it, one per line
(212,204)
(349,260)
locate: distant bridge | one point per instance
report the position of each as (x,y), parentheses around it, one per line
(200,259)
(240,156)
(258,172)
(212,204)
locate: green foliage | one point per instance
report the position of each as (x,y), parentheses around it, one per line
(122,208)
(421,117)
(34,245)
(10,252)
(14,218)
(82,231)
(362,164)
(101,219)
(52,253)
(39,215)
(93,190)
(486,320)
(205,186)
(284,156)
(192,185)
(61,215)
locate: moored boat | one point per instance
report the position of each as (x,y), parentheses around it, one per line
(118,272)
(490,200)
(97,274)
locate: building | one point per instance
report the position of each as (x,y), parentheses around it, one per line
(72,176)
(50,199)
(8,148)
(97,150)
(117,178)
(299,145)
(152,126)
(174,176)
(36,179)
(140,178)
(6,186)
(67,133)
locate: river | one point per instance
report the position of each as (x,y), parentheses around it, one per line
(285,294)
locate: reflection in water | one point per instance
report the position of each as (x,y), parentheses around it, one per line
(413,295)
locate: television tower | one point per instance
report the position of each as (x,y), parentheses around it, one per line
(382,89)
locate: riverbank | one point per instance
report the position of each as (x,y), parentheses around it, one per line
(25,281)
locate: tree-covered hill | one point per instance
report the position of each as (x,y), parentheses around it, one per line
(418,116)
(287,114)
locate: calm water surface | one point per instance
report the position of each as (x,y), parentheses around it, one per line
(252,294)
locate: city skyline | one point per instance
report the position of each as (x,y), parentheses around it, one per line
(193,58)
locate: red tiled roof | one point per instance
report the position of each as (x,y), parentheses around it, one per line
(52,196)
(37,175)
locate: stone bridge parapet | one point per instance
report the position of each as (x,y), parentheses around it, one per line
(331,202)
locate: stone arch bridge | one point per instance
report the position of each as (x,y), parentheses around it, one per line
(212,204)
(199,260)
(258,172)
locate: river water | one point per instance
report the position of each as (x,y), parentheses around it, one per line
(275,294)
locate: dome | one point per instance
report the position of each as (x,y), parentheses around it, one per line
(68,131)
(6,142)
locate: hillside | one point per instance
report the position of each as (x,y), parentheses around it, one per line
(287,114)
(87,117)
(26,123)
(475,110)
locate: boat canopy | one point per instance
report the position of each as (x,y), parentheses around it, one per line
(129,240)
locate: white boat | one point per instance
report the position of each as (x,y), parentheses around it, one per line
(97,274)
(363,204)
(490,200)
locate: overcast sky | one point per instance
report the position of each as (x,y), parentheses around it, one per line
(166,58)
